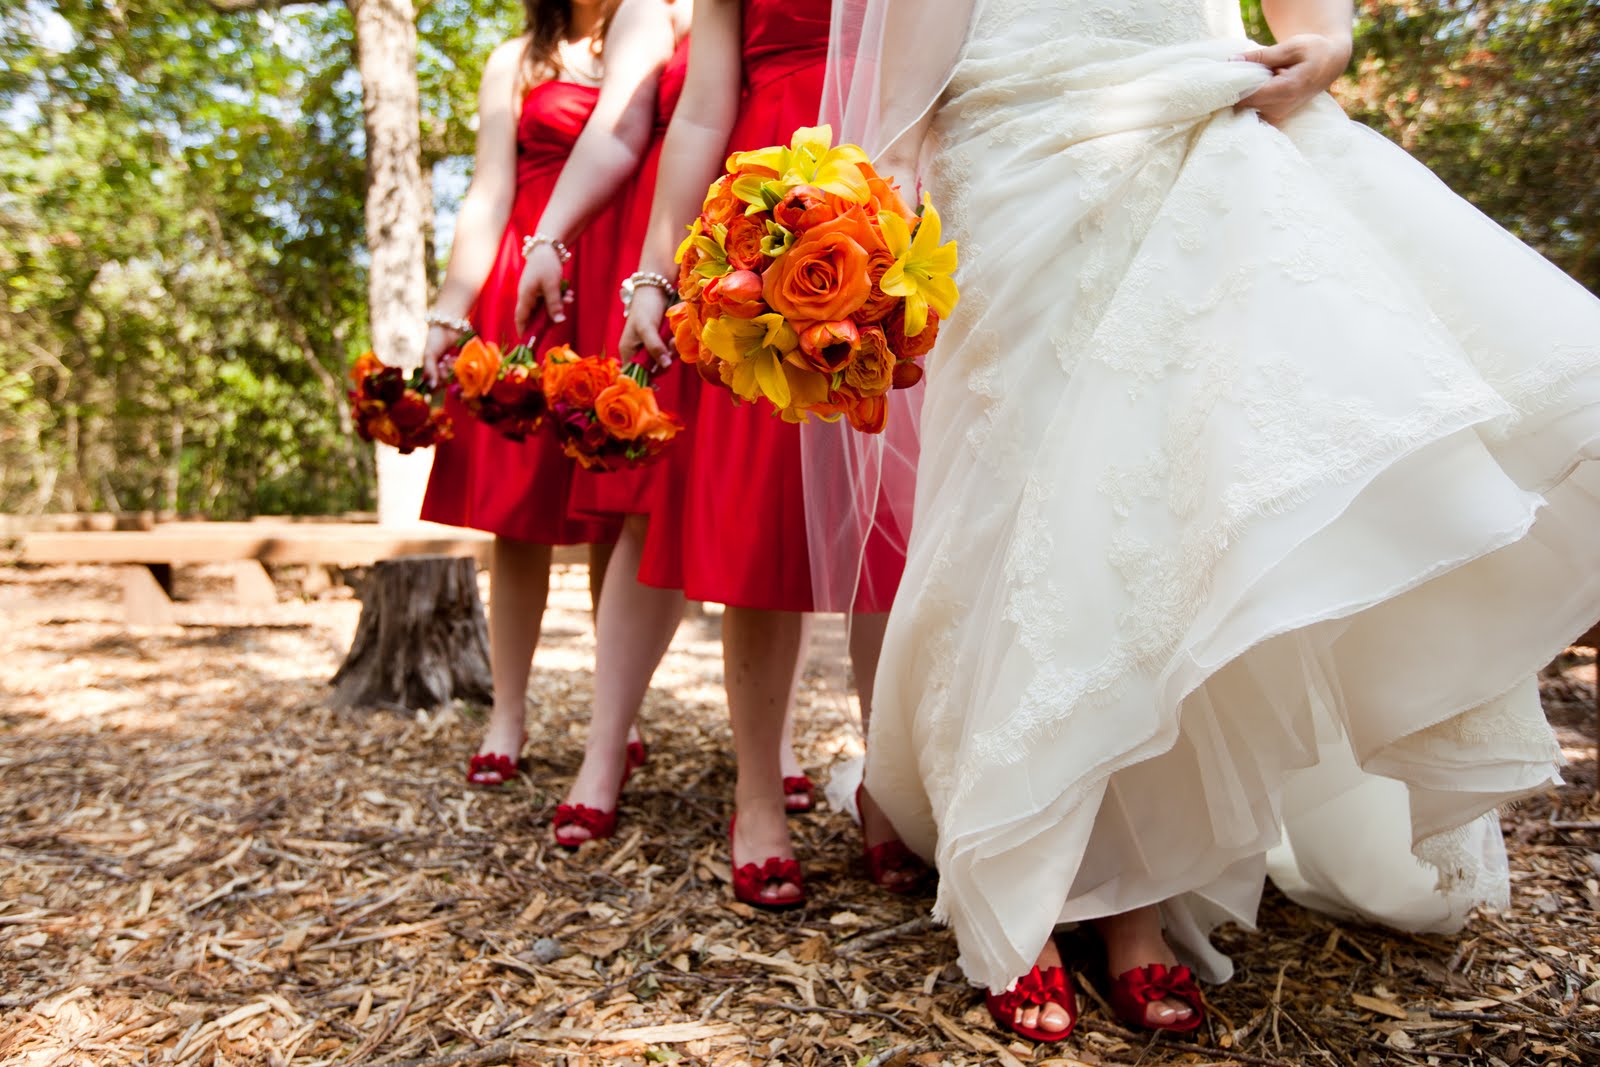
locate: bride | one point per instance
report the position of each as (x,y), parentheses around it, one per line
(1249,501)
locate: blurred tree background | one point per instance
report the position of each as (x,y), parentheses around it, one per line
(181,223)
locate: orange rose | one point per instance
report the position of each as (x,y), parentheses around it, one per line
(576,381)
(912,347)
(476,367)
(690,283)
(684,320)
(879,304)
(737,294)
(823,277)
(805,206)
(871,373)
(365,364)
(827,347)
(743,243)
(626,409)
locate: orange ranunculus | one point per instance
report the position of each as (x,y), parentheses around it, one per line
(721,206)
(744,243)
(824,278)
(879,304)
(365,364)
(737,294)
(684,320)
(912,347)
(689,282)
(803,207)
(827,347)
(574,381)
(476,367)
(410,411)
(627,409)
(907,374)
(871,373)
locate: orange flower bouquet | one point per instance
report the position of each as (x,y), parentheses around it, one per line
(394,408)
(502,390)
(604,414)
(808,281)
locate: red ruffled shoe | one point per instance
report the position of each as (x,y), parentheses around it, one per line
(637,755)
(889,858)
(1051,986)
(799,794)
(752,878)
(1132,994)
(491,770)
(600,824)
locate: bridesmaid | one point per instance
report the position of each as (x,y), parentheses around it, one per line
(737,531)
(539,90)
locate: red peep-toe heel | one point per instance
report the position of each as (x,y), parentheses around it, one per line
(799,794)
(600,824)
(1050,986)
(1133,992)
(888,858)
(752,878)
(491,770)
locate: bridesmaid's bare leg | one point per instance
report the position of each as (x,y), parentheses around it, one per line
(866,644)
(519,586)
(759,649)
(789,762)
(1134,939)
(635,624)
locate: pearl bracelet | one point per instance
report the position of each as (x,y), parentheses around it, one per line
(632,282)
(458,325)
(534,240)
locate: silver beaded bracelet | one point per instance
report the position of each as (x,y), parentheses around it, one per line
(632,282)
(534,240)
(458,325)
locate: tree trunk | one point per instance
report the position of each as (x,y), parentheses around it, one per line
(422,639)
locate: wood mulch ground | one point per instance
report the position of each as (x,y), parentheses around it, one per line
(201,864)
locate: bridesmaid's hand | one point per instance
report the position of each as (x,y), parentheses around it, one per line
(440,340)
(1303,67)
(643,327)
(541,284)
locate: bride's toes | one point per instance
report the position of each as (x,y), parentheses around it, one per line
(1054,1019)
(1167,1012)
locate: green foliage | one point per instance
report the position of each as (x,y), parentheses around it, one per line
(1499,98)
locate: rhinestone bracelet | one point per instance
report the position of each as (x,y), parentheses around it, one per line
(632,282)
(534,240)
(458,325)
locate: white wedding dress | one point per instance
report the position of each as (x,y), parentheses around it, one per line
(1249,504)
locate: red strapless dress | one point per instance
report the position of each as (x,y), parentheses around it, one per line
(480,479)
(649,490)
(741,536)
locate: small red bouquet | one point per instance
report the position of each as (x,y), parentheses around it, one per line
(502,390)
(394,408)
(605,415)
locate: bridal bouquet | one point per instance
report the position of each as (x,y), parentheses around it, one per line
(604,414)
(502,390)
(394,408)
(808,281)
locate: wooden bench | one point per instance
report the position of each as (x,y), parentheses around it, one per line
(147,556)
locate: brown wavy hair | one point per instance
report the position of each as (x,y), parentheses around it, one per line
(548,23)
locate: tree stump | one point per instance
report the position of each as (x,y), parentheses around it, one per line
(422,639)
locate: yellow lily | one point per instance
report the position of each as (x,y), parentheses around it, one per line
(755,350)
(810,159)
(710,244)
(922,267)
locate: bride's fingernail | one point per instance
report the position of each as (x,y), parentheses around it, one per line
(1236,59)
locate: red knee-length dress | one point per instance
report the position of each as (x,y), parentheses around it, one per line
(740,534)
(481,479)
(651,489)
